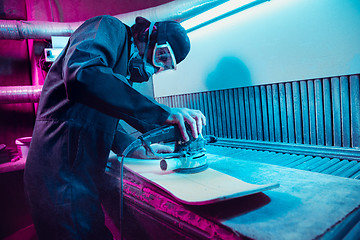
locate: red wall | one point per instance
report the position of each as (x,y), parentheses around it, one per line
(15,68)
(80,10)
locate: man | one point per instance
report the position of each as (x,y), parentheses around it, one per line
(87,90)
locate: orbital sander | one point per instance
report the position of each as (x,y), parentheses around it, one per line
(187,157)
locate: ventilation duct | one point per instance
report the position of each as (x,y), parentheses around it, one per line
(177,10)
(20,94)
(18,30)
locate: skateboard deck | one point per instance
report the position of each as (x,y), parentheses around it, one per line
(206,187)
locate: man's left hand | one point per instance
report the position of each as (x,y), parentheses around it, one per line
(141,152)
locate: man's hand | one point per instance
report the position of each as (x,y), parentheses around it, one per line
(194,118)
(141,153)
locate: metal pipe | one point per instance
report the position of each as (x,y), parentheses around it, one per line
(19,30)
(20,94)
(177,10)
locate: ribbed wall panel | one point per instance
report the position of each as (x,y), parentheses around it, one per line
(316,111)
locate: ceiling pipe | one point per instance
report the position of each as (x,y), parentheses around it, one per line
(20,94)
(178,10)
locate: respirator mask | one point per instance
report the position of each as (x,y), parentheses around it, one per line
(139,69)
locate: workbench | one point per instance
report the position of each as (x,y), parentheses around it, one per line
(307,205)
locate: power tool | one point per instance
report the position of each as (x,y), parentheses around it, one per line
(188,157)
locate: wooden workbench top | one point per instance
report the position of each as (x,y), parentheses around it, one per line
(307,205)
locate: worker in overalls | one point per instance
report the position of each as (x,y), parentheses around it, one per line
(87,90)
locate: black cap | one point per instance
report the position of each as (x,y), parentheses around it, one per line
(176,36)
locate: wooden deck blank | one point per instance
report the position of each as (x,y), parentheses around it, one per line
(201,188)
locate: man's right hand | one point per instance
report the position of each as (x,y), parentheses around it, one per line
(194,118)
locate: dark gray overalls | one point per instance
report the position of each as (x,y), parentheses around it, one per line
(84,96)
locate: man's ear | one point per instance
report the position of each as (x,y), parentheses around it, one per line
(138,29)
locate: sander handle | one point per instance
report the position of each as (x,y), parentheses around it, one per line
(170,164)
(167,133)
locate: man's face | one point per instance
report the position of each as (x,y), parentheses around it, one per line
(141,47)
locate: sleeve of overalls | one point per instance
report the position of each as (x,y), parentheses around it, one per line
(121,139)
(94,49)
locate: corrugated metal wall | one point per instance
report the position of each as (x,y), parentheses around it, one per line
(322,111)
(327,165)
